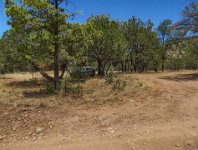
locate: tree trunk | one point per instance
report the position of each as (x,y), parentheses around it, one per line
(163,64)
(122,65)
(155,67)
(56,50)
(107,68)
(134,67)
(131,68)
(125,65)
(63,69)
(101,71)
(56,67)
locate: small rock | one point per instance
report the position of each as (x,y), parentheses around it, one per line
(20,95)
(119,135)
(2,137)
(131,100)
(6,113)
(34,138)
(42,134)
(26,138)
(189,143)
(134,129)
(38,130)
(178,145)
(14,129)
(103,125)
(15,105)
(112,131)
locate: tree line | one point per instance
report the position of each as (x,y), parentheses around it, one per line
(41,38)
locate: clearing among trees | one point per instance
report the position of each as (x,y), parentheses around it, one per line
(99,84)
(158,112)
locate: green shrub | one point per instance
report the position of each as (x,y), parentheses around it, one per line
(109,78)
(48,89)
(75,89)
(118,85)
(78,75)
(68,86)
(34,80)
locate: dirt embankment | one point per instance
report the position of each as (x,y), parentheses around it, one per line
(165,118)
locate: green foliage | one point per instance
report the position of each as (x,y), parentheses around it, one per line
(69,86)
(29,21)
(165,29)
(48,89)
(118,85)
(109,78)
(189,23)
(34,80)
(142,44)
(107,43)
(41,23)
(75,44)
(12,54)
(41,39)
(183,53)
(2,59)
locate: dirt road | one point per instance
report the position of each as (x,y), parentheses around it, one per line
(164,120)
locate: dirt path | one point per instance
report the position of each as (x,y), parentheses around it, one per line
(166,120)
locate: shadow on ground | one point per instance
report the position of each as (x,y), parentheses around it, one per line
(30,89)
(23,84)
(34,94)
(5,78)
(182,77)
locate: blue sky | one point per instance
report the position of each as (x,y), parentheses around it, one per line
(156,10)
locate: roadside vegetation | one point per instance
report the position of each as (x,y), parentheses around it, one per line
(102,84)
(22,90)
(41,39)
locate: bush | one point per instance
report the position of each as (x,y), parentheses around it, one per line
(118,85)
(69,87)
(109,78)
(75,90)
(34,80)
(78,75)
(48,89)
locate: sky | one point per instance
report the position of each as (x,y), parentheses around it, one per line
(156,10)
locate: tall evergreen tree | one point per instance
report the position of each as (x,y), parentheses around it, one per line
(189,23)
(42,21)
(164,29)
(107,43)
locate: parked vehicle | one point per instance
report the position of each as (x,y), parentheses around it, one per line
(85,71)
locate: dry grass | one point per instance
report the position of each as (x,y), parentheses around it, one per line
(18,89)
(98,91)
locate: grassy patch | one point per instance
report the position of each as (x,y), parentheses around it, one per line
(22,89)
